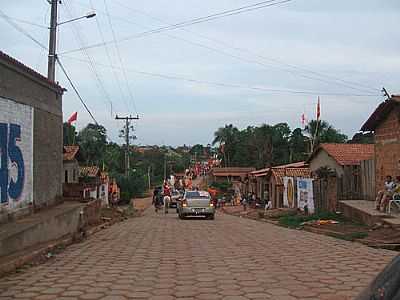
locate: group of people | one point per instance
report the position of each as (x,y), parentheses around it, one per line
(162,197)
(391,191)
(252,200)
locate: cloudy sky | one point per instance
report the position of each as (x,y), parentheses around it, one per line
(262,66)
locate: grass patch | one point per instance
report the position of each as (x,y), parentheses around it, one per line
(350,236)
(296,220)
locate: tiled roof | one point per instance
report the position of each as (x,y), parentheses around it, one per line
(231,171)
(70,152)
(29,70)
(92,171)
(380,113)
(348,154)
(263,172)
(279,173)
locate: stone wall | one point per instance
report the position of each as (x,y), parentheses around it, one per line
(26,94)
(387,147)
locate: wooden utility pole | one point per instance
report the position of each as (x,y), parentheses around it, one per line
(127,137)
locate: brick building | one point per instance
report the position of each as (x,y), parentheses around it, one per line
(385,123)
(30,139)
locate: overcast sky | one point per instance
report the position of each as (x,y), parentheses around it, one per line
(322,47)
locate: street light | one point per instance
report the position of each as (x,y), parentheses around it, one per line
(51,68)
(87,16)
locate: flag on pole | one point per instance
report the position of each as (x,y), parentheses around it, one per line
(303,119)
(318,109)
(72,118)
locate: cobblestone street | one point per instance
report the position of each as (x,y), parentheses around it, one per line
(162,257)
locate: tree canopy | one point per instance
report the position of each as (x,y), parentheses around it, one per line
(269,145)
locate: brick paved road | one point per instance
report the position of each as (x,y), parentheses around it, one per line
(162,257)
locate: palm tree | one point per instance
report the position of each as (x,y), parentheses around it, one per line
(322,132)
(226,136)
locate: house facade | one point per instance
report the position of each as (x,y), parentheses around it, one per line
(70,172)
(30,139)
(347,162)
(385,123)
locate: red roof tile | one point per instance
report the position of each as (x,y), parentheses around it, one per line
(263,172)
(70,153)
(279,173)
(92,171)
(348,154)
(231,171)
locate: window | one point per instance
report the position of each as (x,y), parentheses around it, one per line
(74,175)
(66,176)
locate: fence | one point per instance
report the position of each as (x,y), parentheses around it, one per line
(368,179)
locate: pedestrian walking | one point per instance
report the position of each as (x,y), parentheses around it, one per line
(244,203)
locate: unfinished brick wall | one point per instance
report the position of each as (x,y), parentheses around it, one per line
(387,147)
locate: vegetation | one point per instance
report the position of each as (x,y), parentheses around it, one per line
(95,149)
(270,145)
(295,221)
(223,186)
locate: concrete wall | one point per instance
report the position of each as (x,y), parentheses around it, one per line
(322,159)
(70,167)
(20,85)
(387,148)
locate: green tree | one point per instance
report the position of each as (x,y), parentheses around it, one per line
(326,133)
(228,137)
(93,141)
(69,134)
(298,145)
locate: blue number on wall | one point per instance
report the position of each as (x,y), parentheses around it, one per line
(3,163)
(15,155)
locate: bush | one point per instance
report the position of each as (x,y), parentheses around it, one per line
(222,186)
(133,185)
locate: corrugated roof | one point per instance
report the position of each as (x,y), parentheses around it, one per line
(380,113)
(279,173)
(348,154)
(30,71)
(70,152)
(231,171)
(92,171)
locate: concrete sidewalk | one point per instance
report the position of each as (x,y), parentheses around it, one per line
(28,234)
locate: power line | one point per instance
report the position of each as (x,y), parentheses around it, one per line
(28,22)
(75,90)
(241,49)
(120,58)
(293,68)
(108,57)
(21,30)
(230,85)
(215,16)
(92,67)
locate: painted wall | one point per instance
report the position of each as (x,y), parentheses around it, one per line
(30,101)
(16,155)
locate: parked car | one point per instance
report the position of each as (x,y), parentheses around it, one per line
(175,196)
(196,203)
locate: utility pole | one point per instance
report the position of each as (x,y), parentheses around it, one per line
(127,137)
(51,71)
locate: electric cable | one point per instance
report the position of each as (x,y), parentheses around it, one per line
(187,23)
(75,90)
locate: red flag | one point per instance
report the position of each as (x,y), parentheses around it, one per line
(318,109)
(72,118)
(303,119)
